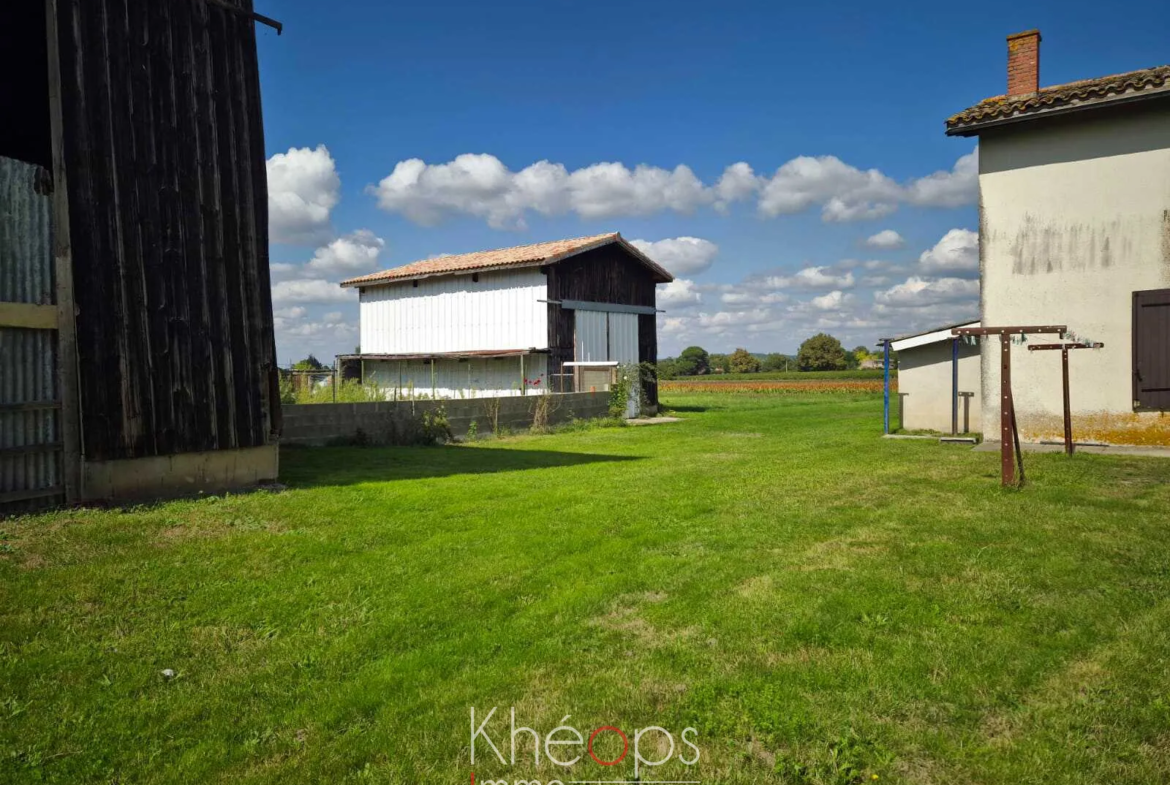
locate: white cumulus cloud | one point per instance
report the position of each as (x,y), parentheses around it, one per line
(303,189)
(482,186)
(680,255)
(678,293)
(956,253)
(353,254)
(916,292)
(310,290)
(955,188)
(886,239)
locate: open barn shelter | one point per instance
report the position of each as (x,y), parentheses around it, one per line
(137,356)
(551,317)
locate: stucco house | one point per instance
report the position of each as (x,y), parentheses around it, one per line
(549,317)
(1075,229)
(938,381)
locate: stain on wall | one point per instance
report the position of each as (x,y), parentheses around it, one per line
(1043,247)
(1145,429)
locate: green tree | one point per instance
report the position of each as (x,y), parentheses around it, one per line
(668,368)
(778,362)
(742,361)
(821,352)
(718,363)
(694,361)
(310,363)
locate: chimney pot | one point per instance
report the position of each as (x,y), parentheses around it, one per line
(1023,75)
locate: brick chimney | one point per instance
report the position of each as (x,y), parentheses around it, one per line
(1023,63)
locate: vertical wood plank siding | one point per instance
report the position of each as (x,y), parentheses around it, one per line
(169,219)
(608,275)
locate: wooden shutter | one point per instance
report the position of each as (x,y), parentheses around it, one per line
(1151,349)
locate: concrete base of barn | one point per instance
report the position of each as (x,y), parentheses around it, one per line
(185,474)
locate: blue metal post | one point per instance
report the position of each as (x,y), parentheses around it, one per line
(954,386)
(886,361)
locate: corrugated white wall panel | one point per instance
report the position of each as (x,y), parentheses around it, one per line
(591,336)
(503,310)
(623,337)
(479,378)
(602,336)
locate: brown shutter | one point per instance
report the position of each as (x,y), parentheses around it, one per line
(1151,349)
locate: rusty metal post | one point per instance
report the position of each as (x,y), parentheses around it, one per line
(1068,438)
(1006,453)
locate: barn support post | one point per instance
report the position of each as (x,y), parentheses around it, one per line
(67,372)
(954,387)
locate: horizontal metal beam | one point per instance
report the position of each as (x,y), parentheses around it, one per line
(31,448)
(261,18)
(30,406)
(1022,330)
(1040,347)
(28,316)
(38,493)
(583,305)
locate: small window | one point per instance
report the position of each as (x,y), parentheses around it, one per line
(1151,349)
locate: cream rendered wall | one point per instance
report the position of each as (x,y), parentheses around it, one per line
(1074,217)
(924,385)
(503,310)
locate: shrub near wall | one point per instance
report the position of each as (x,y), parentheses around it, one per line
(417,422)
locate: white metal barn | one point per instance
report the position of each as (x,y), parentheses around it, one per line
(512,321)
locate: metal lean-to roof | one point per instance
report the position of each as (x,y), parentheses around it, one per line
(931,336)
(505,259)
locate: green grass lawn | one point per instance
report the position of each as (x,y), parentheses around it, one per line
(791,376)
(822,605)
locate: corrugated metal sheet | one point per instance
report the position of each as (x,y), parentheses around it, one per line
(29,413)
(623,337)
(602,336)
(478,378)
(26,253)
(591,336)
(454,314)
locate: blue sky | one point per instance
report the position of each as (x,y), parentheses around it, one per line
(830,117)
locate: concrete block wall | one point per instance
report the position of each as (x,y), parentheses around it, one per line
(322,423)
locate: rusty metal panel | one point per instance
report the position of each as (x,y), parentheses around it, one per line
(30,451)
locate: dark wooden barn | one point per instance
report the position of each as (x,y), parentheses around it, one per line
(141,361)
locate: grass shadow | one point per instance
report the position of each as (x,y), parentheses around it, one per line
(310,467)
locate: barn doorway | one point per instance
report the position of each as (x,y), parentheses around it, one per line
(31,470)
(24,90)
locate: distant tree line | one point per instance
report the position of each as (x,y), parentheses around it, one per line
(821,352)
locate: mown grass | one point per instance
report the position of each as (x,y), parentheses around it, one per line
(789,376)
(822,605)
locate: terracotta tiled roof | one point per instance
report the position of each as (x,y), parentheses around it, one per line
(1104,90)
(504,258)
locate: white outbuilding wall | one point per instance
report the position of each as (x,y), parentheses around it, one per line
(502,310)
(490,377)
(1075,217)
(925,387)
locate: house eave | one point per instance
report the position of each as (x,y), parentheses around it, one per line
(976,128)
